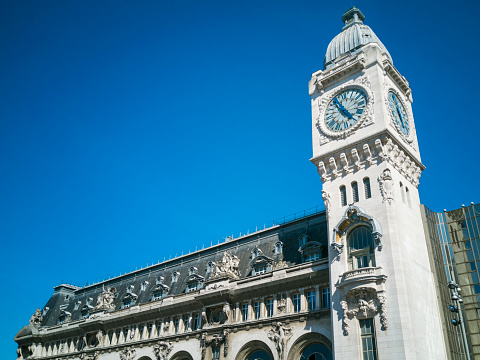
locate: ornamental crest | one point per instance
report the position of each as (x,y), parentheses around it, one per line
(105,300)
(363,303)
(162,349)
(228,266)
(386,183)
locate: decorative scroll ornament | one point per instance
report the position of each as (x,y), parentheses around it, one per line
(386,183)
(228,266)
(362,303)
(280,334)
(362,84)
(326,201)
(162,349)
(128,353)
(105,300)
(36,318)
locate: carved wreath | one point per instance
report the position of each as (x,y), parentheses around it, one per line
(366,118)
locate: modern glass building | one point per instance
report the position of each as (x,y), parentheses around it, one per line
(455,256)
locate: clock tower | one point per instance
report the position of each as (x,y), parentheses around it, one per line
(365,148)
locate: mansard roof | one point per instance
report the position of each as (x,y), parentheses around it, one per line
(143,283)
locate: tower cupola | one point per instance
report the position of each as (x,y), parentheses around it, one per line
(354,35)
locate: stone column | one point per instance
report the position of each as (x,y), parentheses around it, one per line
(190,319)
(237,312)
(263,313)
(302,299)
(289,302)
(275,304)
(317,297)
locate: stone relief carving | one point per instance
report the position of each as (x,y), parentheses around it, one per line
(326,201)
(36,318)
(363,303)
(214,341)
(338,247)
(105,300)
(280,334)
(91,356)
(162,349)
(166,327)
(362,156)
(226,312)
(386,183)
(282,305)
(128,353)
(281,265)
(228,266)
(361,83)
(100,337)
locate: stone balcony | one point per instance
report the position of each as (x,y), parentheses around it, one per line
(372,277)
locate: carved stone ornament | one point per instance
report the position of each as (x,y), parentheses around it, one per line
(128,353)
(362,303)
(280,334)
(228,266)
(352,217)
(162,349)
(326,201)
(362,84)
(89,356)
(282,305)
(214,341)
(36,318)
(411,135)
(105,300)
(386,183)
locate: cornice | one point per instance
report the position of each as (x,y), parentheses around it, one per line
(371,151)
(397,78)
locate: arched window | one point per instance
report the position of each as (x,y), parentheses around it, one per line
(361,248)
(259,355)
(403,194)
(355,191)
(316,352)
(278,247)
(210,267)
(366,186)
(343,195)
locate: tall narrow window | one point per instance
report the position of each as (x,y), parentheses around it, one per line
(366,186)
(216,353)
(296,303)
(326,298)
(245,312)
(256,310)
(269,306)
(355,191)
(369,341)
(196,322)
(407,194)
(401,191)
(311,300)
(343,195)
(361,248)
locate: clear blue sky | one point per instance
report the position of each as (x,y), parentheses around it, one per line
(131,131)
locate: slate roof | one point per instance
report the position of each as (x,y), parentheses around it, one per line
(314,226)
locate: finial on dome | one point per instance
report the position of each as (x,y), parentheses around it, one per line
(353,16)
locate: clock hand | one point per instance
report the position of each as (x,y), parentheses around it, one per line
(341,108)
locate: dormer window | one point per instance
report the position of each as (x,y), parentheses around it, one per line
(192,270)
(210,267)
(261,264)
(159,280)
(77,305)
(130,288)
(89,301)
(192,287)
(302,240)
(278,248)
(67,297)
(159,291)
(85,313)
(157,295)
(175,276)
(256,252)
(143,285)
(129,300)
(194,281)
(63,317)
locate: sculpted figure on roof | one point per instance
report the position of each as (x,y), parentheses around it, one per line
(36,318)
(105,300)
(228,266)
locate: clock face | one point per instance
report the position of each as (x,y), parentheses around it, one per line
(398,113)
(345,110)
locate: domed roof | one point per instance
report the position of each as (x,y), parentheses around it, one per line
(353,36)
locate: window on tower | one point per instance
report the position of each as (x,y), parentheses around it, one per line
(355,191)
(366,186)
(343,195)
(402,192)
(407,195)
(361,248)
